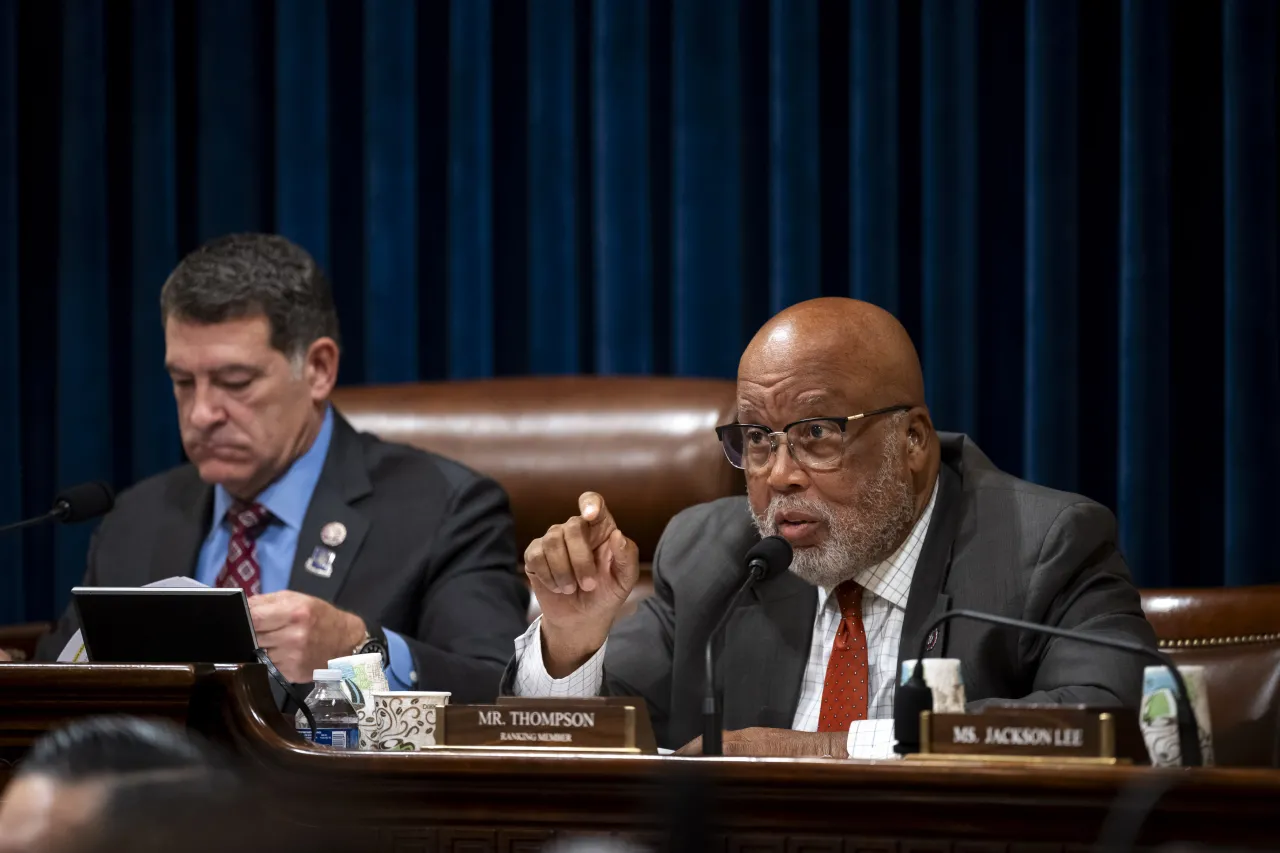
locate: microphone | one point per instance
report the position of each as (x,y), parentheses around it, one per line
(78,503)
(767,557)
(915,696)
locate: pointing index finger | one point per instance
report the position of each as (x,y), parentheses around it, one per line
(600,523)
(595,513)
(591,507)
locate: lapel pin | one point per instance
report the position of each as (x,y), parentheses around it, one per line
(333,534)
(320,562)
(933,640)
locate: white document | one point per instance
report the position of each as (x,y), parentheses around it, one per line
(74,652)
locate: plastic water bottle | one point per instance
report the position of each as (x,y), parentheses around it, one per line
(336,722)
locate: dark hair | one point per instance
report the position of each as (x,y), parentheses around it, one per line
(215,812)
(117,746)
(245,275)
(209,813)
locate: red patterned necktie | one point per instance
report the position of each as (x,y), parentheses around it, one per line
(241,568)
(844,691)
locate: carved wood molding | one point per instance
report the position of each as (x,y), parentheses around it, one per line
(452,801)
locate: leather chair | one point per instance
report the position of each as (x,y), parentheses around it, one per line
(646,444)
(1234,633)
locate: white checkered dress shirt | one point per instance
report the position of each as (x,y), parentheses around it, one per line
(884,606)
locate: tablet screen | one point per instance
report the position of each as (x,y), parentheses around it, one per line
(165,625)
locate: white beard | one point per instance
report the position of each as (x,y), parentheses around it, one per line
(857,537)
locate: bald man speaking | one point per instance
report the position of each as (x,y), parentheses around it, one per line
(891,524)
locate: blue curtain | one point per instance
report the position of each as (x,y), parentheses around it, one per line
(1072,207)
(12,590)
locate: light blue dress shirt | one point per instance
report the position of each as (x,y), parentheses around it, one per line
(287,500)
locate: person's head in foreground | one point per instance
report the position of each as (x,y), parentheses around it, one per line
(126,784)
(251,344)
(864,455)
(65,784)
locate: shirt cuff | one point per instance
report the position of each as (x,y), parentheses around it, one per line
(400,671)
(871,739)
(532,678)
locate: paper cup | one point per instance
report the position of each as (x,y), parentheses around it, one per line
(1158,715)
(408,721)
(944,680)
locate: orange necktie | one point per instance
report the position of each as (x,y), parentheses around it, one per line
(844,691)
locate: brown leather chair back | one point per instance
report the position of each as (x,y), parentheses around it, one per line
(1234,633)
(647,444)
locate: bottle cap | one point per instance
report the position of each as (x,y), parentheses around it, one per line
(327,675)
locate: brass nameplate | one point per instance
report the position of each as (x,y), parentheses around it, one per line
(545,724)
(1043,732)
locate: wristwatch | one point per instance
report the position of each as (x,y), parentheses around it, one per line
(374,641)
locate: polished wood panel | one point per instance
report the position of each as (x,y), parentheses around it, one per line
(35,698)
(454,801)
(19,641)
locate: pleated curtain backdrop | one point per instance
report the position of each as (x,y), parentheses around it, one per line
(1071,206)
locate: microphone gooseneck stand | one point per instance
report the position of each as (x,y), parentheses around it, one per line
(768,556)
(712,743)
(52,515)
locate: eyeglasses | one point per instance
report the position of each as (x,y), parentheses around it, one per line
(815,443)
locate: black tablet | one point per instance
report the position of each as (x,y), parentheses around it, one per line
(165,624)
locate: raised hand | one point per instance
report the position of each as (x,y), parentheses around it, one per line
(581,572)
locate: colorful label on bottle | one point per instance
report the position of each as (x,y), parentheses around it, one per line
(346,738)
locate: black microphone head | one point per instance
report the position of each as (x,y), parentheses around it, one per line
(84,501)
(769,556)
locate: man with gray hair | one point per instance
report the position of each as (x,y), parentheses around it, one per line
(343,543)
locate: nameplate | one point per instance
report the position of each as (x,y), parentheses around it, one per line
(644,739)
(567,725)
(1044,732)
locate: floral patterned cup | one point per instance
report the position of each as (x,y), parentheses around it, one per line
(408,721)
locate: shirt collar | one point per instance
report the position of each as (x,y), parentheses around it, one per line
(288,497)
(891,578)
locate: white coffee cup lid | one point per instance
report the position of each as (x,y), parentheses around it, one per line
(327,675)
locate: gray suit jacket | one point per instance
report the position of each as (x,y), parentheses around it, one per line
(995,544)
(430,554)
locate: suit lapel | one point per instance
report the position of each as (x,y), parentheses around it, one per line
(928,598)
(766,649)
(320,569)
(189,503)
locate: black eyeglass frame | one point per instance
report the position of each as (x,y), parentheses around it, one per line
(843,423)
